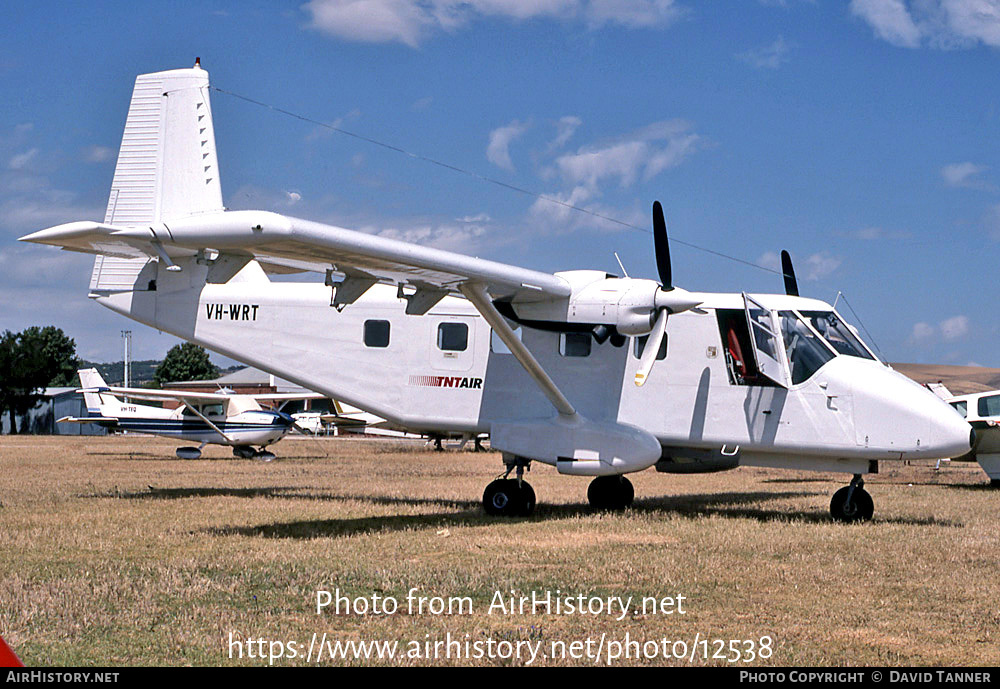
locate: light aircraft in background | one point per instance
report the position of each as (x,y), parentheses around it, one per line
(217,418)
(570,369)
(982,411)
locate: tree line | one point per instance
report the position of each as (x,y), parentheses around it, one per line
(41,357)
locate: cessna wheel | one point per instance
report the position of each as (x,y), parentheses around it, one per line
(610,493)
(244,452)
(859,509)
(505,497)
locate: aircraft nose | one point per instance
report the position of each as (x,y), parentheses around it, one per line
(895,414)
(286,418)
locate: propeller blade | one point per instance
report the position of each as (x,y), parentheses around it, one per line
(662,247)
(656,336)
(791,285)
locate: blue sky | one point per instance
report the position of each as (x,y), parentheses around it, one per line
(861,136)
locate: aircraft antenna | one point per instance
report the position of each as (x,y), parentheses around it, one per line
(858,319)
(621,265)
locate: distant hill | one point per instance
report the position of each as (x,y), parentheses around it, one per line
(142,371)
(961,380)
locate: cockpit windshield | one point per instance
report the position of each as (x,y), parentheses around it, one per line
(837,333)
(806,352)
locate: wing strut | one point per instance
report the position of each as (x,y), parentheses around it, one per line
(205,419)
(476,293)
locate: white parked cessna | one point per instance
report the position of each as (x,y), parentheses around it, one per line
(219,418)
(982,411)
(569,369)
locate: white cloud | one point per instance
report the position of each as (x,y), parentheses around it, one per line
(820,265)
(565,129)
(498,150)
(21,160)
(922,332)
(464,237)
(97,154)
(644,153)
(964,175)
(949,330)
(770,260)
(412,21)
(768,57)
(955,328)
(944,24)
(871,234)
(293,197)
(890,19)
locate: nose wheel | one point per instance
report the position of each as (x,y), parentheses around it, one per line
(852,503)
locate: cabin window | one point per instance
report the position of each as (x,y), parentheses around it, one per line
(376,333)
(453,337)
(497,345)
(989,406)
(575,344)
(640,347)
(961,407)
(205,409)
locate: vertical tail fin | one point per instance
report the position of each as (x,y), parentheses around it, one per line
(167,166)
(90,378)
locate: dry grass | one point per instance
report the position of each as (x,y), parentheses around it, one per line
(116,553)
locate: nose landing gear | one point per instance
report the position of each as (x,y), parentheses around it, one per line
(852,503)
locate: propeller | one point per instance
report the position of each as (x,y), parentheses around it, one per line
(667,300)
(791,285)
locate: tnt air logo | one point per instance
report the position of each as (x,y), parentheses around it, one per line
(232,312)
(447,382)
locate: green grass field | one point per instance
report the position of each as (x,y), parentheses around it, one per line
(116,553)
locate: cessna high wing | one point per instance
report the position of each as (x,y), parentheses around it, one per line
(571,369)
(218,418)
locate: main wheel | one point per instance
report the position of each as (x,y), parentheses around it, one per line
(610,493)
(859,509)
(505,497)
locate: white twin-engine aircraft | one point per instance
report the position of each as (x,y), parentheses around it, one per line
(218,418)
(569,369)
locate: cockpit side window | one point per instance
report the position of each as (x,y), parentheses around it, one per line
(806,353)
(961,407)
(989,406)
(837,333)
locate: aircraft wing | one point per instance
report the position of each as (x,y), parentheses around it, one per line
(297,244)
(164,395)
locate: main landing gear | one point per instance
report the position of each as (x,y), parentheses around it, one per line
(852,503)
(510,497)
(514,497)
(610,493)
(247,452)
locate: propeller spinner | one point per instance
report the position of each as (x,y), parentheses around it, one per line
(668,299)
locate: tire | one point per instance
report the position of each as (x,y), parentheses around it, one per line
(860,509)
(505,498)
(610,493)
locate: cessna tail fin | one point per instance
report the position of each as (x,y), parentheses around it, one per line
(167,166)
(90,378)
